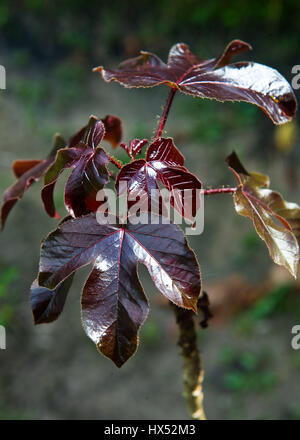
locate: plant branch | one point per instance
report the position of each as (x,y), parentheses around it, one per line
(192,366)
(165,113)
(208,192)
(115,161)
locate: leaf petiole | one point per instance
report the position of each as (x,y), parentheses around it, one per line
(165,113)
(208,192)
(115,161)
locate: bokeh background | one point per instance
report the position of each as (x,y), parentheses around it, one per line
(53,371)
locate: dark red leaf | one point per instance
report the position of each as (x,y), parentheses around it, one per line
(89,172)
(48,304)
(77,138)
(249,82)
(139,182)
(90,135)
(164,150)
(113,131)
(94,133)
(147,70)
(28,171)
(213,78)
(66,158)
(163,162)
(235,164)
(134,147)
(20,167)
(234,48)
(88,177)
(113,303)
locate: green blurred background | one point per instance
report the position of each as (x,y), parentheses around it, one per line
(53,371)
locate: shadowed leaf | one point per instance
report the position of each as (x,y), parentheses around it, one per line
(48,304)
(28,172)
(89,173)
(113,131)
(20,167)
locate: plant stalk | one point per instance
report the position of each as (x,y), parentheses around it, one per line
(208,192)
(115,161)
(193,373)
(165,113)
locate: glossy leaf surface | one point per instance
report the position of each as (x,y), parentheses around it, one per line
(113,131)
(163,163)
(214,78)
(269,213)
(288,210)
(134,147)
(89,173)
(27,172)
(113,302)
(48,304)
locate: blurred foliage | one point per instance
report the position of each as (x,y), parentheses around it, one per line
(295,359)
(49,48)
(8,300)
(56,28)
(210,122)
(285,136)
(246,371)
(293,412)
(7,412)
(283,299)
(251,257)
(13,414)
(150,334)
(78,33)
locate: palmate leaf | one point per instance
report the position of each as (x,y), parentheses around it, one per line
(27,172)
(89,173)
(30,171)
(214,78)
(276,221)
(163,163)
(114,305)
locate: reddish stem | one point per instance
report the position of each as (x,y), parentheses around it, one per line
(165,113)
(208,192)
(115,161)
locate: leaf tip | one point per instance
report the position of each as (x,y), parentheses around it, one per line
(117,363)
(194,309)
(294,270)
(97,69)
